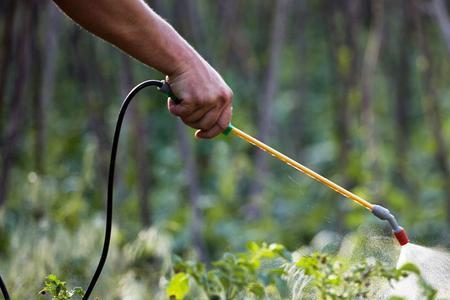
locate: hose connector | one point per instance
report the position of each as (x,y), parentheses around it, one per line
(384,214)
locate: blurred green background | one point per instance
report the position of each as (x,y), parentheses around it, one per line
(356,90)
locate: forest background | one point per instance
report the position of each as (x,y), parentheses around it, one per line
(357,90)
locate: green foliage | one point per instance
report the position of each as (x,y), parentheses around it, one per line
(236,274)
(58,290)
(334,279)
(262,270)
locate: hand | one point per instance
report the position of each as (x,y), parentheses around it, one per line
(205,98)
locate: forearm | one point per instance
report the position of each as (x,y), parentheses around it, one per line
(133,27)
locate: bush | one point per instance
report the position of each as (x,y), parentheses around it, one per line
(270,272)
(56,288)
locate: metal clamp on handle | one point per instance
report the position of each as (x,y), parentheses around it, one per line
(165,88)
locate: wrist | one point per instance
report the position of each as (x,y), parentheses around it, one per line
(184,61)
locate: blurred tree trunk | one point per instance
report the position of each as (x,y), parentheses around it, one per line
(190,22)
(6,51)
(16,106)
(233,46)
(139,142)
(47,83)
(93,87)
(401,71)
(296,131)
(440,10)
(265,106)
(343,21)
(369,66)
(191,176)
(36,106)
(433,109)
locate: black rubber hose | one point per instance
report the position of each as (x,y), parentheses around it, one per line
(109,200)
(163,87)
(4,290)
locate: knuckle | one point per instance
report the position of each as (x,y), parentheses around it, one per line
(229,94)
(226,94)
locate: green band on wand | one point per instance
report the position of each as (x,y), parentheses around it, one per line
(228,130)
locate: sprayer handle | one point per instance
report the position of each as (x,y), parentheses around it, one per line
(165,89)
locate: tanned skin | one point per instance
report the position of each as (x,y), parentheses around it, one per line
(135,28)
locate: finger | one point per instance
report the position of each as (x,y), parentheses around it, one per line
(219,127)
(181,109)
(209,119)
(197,115)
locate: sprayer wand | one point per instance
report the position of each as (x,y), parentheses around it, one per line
(378,210)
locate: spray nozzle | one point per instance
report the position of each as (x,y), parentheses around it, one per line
(384,214)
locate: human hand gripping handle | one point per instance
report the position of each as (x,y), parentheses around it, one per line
(165,89)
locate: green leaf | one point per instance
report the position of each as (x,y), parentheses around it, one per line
(276,247)
(410,267)
(178,286)
(77,291)
(333,280)
(257,289)
(52,277)
(252,246)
